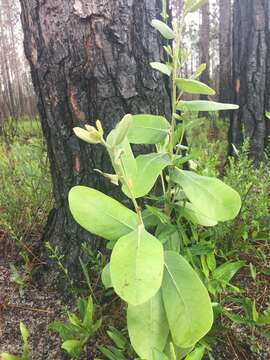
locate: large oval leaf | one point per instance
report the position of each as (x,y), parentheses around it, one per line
(137,266)
(208,195)
(163,28)
(148,327)
(195,216)
(148,129)
(150,167)
(192,86)
(100,214)
(186,301)
(204,105)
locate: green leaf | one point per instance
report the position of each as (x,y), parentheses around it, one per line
(137,266)
(148,327)
(204,105)
(150,166)
(226,271)
(100,214)
(65,330)
(121,156)
(148,129)
(72,347)
(186,301)
(197,4)
(106,277)
(209,196)
(192,86)
(195,216)
(157,355)
(121,130)
(118,338)
(164,29)
(6,356)
(267,114)
(24,332)
(199,71)
(88,315)
(196,354)
(163,68)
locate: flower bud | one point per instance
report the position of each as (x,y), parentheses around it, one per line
(91,137)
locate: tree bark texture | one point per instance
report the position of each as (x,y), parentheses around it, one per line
(89,60)
(205,44)
(251,75)
(225,50)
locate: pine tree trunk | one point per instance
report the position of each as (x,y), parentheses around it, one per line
(89,60)
(225,51)
(205,44)
(251,67)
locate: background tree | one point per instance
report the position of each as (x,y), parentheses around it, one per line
(251,53)
(205,43)
(89,60)
(225,50)
(16,92)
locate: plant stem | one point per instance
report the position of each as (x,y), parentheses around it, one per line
(175,99)
(134,201)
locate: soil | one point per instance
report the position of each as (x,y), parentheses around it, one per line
(38,306)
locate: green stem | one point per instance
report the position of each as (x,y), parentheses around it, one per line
(134,201)
(175,99)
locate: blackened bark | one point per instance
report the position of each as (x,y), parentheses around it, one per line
(251,66)
(89,60)
(225,51)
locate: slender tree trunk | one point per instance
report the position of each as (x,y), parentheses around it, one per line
(225,51)
(89,60)
(251,52)
(205,43)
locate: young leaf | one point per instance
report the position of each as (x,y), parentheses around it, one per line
(164,29)
(150,167)
(209,196)
(163,68)
(106,277)
(186,301)
(121,156)
(267,114)
(204,105)
(199,71)
(148,129)
(72,347)
(65,330)
(6,356)
(192,86)
(88,315)
(137,266)
(197,4)
(148,327)
(100,214)
(225,272)
(196,354)
(121,130)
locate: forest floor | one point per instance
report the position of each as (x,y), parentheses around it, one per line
(25,200)
(37,306)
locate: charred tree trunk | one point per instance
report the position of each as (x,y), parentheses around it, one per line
(89,60)
(251,66)
(225,51)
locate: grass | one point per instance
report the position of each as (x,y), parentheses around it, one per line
(25,197)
